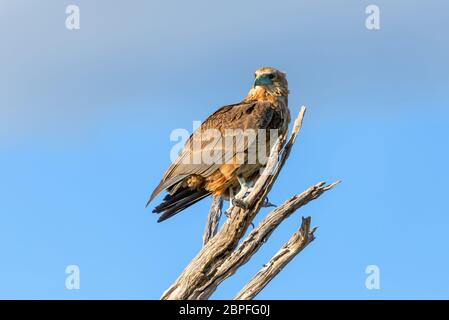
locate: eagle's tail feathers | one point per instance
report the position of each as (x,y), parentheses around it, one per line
(174,203)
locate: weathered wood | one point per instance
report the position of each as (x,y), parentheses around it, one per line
(295,245)
(260,234)
(213,219)
(219,259)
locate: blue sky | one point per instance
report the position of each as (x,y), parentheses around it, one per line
(86,116)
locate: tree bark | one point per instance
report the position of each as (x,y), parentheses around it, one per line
(213,219)
(295,245)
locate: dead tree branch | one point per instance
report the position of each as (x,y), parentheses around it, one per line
(213,219)
(295,245)
(257,237)
(219,258)
(263,231)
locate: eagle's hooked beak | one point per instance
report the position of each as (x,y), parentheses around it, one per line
(263,80)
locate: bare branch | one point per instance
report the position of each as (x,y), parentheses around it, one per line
(219,258)
(263,231)
(295,245)
(213,219)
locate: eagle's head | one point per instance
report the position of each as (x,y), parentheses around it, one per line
(271,80)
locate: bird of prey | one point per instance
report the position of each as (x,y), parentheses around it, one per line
(265,108)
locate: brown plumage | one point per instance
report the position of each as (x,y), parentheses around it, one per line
(188,181)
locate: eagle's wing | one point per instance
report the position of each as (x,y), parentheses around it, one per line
(211,136)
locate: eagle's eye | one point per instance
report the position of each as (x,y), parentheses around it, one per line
(271,76)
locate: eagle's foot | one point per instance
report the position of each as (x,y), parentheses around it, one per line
(240,203)
(244,187)
(239,199)
(227,213)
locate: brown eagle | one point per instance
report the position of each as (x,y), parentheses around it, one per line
(187,181)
